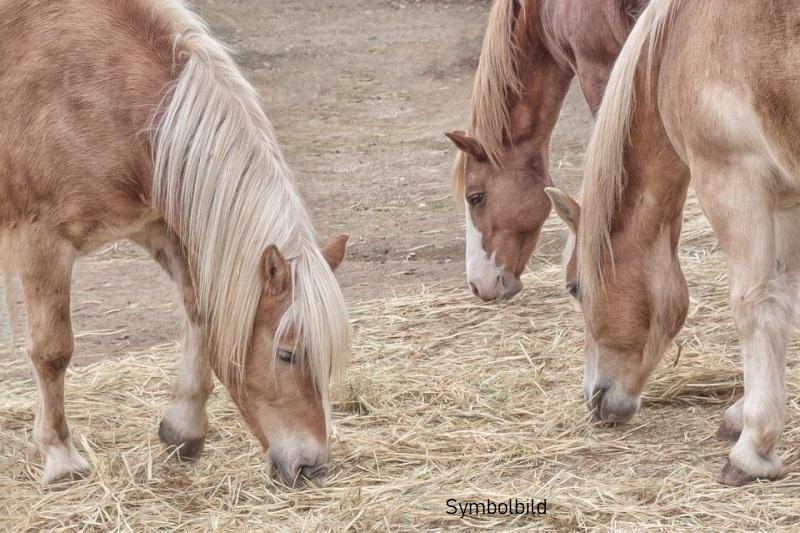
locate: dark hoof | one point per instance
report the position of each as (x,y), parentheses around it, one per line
(733,476)
(725,432)
(184,449)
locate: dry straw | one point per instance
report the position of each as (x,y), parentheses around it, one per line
(445,398)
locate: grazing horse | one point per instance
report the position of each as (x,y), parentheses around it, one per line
(709,93)
(531,52)
(125,119)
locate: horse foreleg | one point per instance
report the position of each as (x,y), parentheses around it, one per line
(762,295)
(185,423)
(764,317)
(46,284)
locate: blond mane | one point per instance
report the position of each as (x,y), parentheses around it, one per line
(495,80)
(604,168)
(222,183)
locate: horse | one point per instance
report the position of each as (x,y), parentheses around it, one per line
(125,119)
(531,52)
(706,93)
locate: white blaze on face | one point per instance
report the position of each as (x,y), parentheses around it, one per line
(482,270)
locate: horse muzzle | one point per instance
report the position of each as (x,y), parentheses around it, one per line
(297,464)
(503,286)
(612,406)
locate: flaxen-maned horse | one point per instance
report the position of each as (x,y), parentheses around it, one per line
(706,92)
(531,52)
(125,119)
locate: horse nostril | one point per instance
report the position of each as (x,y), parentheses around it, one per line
(314,473)
(474,289)
(596,401)
(512,291)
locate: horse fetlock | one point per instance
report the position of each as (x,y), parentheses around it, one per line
(731,426)
(187,418)
(727,432)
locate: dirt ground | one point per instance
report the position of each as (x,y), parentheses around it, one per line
(360,110)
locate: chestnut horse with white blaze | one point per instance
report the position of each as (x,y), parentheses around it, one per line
(125,119)
(531,52)
(704,92)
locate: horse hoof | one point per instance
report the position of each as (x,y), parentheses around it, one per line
(725,432)
(733,476)
(60,477)
(184,449)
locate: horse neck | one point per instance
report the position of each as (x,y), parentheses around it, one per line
(590,36)
(544,85)
(654,192)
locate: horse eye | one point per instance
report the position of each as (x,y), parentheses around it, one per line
(572,288)
(286,356)
(477,199)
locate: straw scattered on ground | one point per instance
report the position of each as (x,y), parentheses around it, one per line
(446,398)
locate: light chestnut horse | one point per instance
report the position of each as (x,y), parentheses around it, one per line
(531,52)
(706,92)
(125,119)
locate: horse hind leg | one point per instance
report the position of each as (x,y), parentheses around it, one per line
(46,287)
(185,423)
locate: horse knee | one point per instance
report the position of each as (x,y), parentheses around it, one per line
(51,353)
(766,306)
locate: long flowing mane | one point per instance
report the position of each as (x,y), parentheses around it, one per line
(604,168)
(221,181)
(495,80)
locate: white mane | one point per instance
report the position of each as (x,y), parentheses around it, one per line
(223,186)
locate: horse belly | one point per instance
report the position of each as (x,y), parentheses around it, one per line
(83,213)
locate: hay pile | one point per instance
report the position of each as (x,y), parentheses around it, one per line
(446,398)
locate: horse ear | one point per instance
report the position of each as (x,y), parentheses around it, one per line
(566,208)
(334,251)
(467,144)
(275,272)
